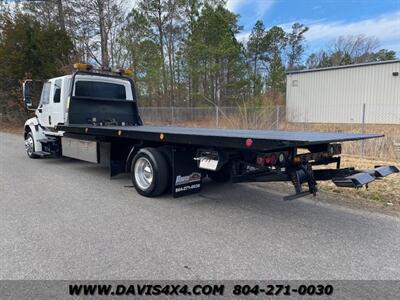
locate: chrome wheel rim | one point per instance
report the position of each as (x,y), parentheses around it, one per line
(29,145)
(143,173)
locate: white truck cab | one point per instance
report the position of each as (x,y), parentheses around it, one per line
(55,100)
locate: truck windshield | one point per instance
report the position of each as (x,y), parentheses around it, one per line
(98,89)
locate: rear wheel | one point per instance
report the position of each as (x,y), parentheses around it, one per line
(150,172)
(30,145)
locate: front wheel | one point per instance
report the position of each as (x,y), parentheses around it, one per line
(30,145)
(150,172)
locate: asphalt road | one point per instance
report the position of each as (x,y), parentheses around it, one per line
(65,219)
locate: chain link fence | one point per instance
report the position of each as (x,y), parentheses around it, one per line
(225,117)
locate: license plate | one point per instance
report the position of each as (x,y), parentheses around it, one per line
(208,164)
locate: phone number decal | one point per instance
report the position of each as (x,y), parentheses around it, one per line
(283,290)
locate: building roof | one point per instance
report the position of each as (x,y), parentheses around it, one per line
(344,67)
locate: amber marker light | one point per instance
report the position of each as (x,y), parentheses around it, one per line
(83,67)
(296,159)
(127,72)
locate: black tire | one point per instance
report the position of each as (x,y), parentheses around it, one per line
(31,148)
(159,168)
(222,175)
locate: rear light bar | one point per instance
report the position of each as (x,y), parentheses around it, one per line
(281,158)
(272,159)
(332,149)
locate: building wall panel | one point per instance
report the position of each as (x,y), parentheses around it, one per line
(337,95)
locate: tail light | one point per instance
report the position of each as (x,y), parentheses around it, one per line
(249,143)
(267,160)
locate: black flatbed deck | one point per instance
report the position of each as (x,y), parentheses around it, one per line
(226,138)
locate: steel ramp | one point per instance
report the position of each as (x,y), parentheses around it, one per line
(383,171)
(360,179)
(354,181)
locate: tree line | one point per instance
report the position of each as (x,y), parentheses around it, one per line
(182,52)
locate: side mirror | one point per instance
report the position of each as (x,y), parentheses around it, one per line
(27,93)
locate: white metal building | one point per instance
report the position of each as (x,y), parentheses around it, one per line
(338,94)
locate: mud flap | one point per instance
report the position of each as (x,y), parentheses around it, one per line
(118,153)
(186,176)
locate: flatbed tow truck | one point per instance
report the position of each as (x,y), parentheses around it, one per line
(92,115)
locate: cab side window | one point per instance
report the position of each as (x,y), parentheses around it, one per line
(57,91)
(45,97)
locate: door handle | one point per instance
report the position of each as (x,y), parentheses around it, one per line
(49,120)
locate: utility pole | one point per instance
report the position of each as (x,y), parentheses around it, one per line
(363,130)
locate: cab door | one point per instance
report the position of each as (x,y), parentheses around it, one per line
(50,111)
(56,106)
(44,109)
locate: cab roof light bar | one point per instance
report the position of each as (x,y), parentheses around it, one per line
(89,67)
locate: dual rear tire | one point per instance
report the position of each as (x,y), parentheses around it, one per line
(150,172)
(151,175)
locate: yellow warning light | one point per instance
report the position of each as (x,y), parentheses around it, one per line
(161,136)
(127,72)
(83,67)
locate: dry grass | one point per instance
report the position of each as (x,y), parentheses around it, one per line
(12,127)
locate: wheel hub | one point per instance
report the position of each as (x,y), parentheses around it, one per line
(29,145)
(143,173)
